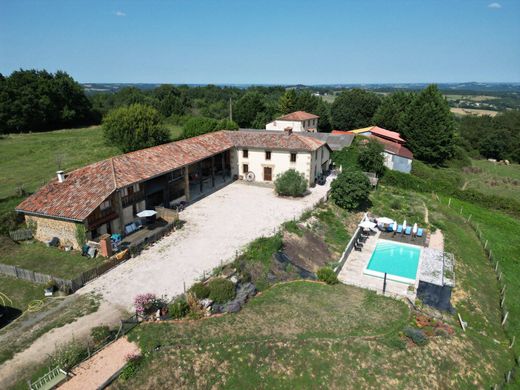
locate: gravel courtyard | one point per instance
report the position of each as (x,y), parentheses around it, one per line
(216,227)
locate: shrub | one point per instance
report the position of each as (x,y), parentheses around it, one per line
(68,355)
(100,333)
(290,183)
(144,303)
(416,335)
(350,190)
(327,275)
(179,308)
(221,290)
(134,127)
(132,365)
(199,290)
(370,157)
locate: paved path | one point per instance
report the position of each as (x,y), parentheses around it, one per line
(94,372)
(216,227)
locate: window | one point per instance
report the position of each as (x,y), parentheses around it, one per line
(245,168)
(175,175)
(105,205)
(293,157)
(268,155)
(136,187)
(124,192)
(245,153)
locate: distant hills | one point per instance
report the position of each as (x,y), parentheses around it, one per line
(383,87)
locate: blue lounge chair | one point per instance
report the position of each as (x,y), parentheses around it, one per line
(399,228)
(389,229)
(419,232)
(408,230)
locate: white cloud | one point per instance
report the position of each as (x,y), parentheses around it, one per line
(120,13)
(494,5)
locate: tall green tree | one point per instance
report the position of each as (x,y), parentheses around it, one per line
(134,127)
(350,190)
(32,100)
(354,109)
(391,111)
(287,102)
(428,126)
(247,108)
(370,157)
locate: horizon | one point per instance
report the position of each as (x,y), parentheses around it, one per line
(238,42)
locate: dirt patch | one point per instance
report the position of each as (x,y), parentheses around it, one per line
(307,251)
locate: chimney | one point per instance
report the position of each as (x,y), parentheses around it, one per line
(61,176)
(288,130)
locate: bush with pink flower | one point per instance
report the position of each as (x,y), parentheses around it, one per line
(145,303)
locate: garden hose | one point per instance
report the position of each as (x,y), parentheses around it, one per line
(35,305)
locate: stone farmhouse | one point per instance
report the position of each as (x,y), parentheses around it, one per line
(105,196)
(298,121)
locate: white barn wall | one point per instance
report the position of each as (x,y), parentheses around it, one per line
(297,126)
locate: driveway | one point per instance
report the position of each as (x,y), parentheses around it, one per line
(216,227)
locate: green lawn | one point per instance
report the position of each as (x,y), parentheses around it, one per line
(30,160)
(309,335)
(20,292)
(37,257)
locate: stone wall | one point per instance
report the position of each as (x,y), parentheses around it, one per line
(47,228)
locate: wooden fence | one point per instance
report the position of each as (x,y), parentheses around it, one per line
(509,376)
(72,284)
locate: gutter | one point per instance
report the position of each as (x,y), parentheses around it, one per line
(19,211)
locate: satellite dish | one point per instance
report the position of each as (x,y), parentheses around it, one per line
(250,176)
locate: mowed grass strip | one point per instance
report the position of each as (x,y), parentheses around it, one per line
(30,160)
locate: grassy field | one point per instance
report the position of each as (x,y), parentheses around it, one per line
(37,257)
(30,160)
(494,179)
(308,335)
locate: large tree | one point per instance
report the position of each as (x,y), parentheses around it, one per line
(428,126)
(390,113)
(350,190)
(287,102)
(247,108)
(134,127)
(370,157)
(32,100)
(354,109)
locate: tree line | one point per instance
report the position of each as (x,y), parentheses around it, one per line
(32,100)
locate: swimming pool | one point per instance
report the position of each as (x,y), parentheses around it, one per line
(398,261)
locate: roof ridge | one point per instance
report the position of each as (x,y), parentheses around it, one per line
(113,172)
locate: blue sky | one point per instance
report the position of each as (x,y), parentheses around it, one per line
(246,41)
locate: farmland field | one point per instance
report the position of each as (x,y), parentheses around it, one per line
(493,178)
(472,111)
(30,160)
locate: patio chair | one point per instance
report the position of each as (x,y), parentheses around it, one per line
(408,230)
(359,243)
(399,229)
(363,239)
(358,247)
(419,232)
(390,229)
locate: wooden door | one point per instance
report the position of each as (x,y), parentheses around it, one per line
(268,174)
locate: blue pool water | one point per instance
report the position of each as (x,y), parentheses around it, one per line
(395,259)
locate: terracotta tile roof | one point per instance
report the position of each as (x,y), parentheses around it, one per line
(394,147)
(84,189)
(274,140)
(298,116)
(146,163)
(81,193)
